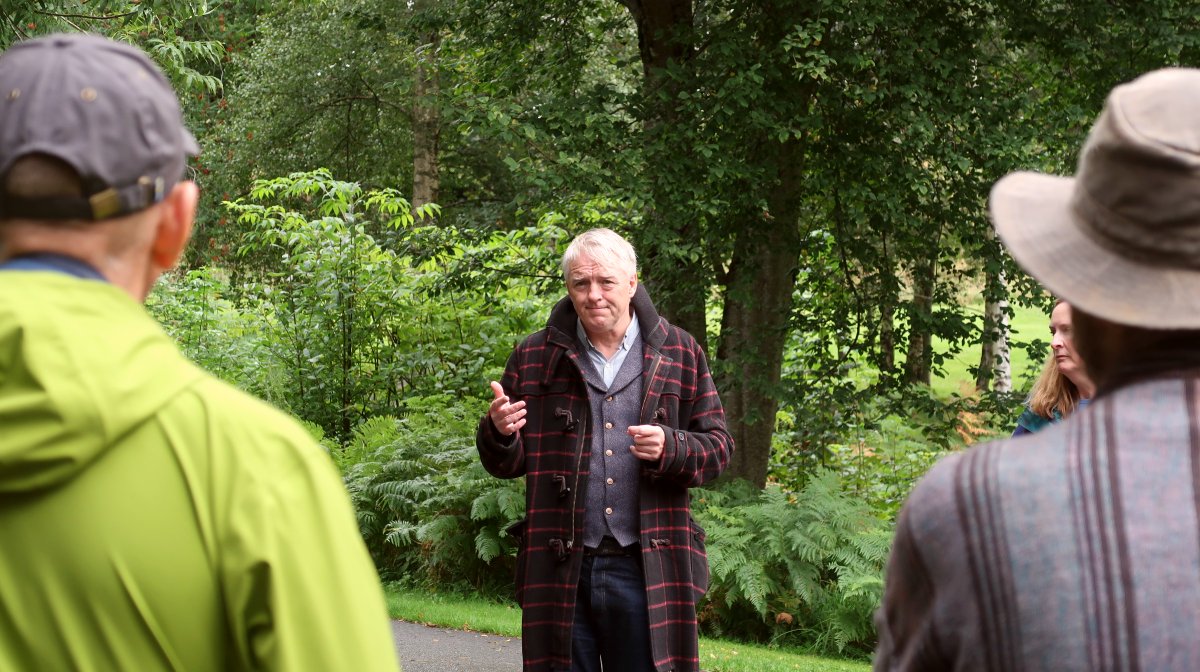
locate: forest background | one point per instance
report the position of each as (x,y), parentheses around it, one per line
(388,187)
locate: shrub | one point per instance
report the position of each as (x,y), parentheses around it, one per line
(803,569)
(220,328)
(344,304)
(428,511)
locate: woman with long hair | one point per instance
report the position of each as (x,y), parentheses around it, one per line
(1063,385)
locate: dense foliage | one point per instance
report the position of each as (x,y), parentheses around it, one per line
(326,320)
(794,173)
(805,181)
(409,339)
(797,568)
(432,517)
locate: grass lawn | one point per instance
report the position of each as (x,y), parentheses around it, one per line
(1027,325)
(466,613)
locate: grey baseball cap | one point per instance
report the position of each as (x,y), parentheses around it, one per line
(103,108)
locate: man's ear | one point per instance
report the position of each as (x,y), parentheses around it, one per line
(175,226)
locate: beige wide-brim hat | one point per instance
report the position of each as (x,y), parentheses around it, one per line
(1121,239)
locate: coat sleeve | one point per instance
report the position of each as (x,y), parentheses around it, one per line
(699,448)
(927,618)
(502,456)
(301,591)
(904,621)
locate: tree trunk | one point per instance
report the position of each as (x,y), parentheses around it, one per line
(426,126)
(678,284)
(756,319)
(886,358)
(919,364)
(761,275)
(994,363)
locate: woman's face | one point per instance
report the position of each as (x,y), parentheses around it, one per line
(1062,344)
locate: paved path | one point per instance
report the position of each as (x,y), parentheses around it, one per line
(425,649)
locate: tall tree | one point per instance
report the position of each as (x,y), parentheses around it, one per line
(671,235)
(426,118)
(799,169)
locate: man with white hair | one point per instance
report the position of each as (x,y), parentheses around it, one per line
(1078,548)
(611,415)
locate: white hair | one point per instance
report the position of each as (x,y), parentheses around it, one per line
(603,246)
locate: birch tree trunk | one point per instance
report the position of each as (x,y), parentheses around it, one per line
(995,366)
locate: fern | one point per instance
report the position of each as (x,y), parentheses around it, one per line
(488,545)
(429,512)
(802,568)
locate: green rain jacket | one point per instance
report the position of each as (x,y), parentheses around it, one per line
(154,518)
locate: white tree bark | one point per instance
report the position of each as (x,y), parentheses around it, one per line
(995,365)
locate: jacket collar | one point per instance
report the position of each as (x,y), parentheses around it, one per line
(563,318)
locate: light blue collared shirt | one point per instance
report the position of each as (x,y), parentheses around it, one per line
(608,368)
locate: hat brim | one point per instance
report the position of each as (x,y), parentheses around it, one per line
(190,146)
(1034,217)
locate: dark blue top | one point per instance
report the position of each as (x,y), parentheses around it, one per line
(1030,422)
(48,261)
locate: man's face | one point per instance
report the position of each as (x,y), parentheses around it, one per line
(601,293)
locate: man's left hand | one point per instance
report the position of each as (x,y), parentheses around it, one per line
(649,441)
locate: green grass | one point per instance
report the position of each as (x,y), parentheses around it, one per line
(467,613)
(1027,324)
(458,612)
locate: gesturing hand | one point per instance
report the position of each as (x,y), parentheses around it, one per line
(649,441)
(506,418)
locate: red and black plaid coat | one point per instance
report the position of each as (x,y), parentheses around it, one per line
(553,452)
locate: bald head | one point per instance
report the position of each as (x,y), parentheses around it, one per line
(130,251)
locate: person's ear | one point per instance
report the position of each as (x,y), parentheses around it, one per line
(175,225)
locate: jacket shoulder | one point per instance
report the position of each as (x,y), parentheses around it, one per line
(234,420)
(535,341)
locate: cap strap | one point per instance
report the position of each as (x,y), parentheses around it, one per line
(105,204)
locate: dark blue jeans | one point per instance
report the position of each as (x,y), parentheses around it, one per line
(611,621)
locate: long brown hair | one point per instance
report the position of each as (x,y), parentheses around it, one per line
(1052,391)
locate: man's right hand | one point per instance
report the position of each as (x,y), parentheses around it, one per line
(506,418)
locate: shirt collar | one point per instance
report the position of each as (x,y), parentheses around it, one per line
(49,261)
(626,341)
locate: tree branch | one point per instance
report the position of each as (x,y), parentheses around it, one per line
(339,101)
(16,28)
